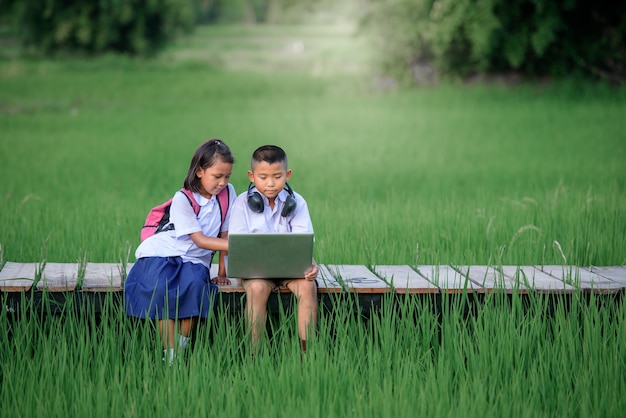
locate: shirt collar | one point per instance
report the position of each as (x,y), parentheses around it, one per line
(202,201)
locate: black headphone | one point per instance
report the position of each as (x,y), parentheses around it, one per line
(255,201)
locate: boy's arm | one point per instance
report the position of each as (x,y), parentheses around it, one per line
(301,219)
(301,222)
(311,273)
(238,222)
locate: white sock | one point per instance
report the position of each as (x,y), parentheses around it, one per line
(169,355)
(183,342)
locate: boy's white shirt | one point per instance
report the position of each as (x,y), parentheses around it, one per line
(177,243)
(244,220)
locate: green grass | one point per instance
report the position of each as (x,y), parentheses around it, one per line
(437,356)
(467,174)
(454,174)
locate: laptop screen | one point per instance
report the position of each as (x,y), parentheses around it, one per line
(269,256)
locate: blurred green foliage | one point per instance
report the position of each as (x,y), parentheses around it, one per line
(260,11)
(417,40)
(137,27)
(420,38)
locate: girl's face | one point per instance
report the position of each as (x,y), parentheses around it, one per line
(269,179)
(213,179)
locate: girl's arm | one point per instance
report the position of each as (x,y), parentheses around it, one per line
(209,243)
(215,244)
(221,266)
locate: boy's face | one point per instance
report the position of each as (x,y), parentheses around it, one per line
(269,179)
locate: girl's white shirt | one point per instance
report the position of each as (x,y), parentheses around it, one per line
(245,220)
(176,243)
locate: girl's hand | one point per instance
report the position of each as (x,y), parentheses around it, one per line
(220,280)
(311,273)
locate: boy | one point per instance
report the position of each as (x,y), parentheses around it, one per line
(269,206)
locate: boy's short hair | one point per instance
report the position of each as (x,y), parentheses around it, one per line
(270,154)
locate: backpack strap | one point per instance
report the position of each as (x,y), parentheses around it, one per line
(192,200)
(223,200)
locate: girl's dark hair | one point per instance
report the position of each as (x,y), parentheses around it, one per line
(270,154)
(206,155)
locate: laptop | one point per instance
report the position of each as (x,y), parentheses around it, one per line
(269,256)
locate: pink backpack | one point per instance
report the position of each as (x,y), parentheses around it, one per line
(159,216)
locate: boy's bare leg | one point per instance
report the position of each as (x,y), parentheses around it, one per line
(257,294)
(306,292)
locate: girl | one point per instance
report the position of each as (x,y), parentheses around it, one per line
(170,282)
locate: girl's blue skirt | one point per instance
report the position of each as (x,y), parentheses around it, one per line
(168,288)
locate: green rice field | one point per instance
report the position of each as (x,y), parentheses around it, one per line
(438,356)
(455,174)
(471,174)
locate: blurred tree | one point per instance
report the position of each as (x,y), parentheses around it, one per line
(138,27)
(258,11)
(419,39)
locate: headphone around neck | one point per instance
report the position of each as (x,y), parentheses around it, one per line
(255,201)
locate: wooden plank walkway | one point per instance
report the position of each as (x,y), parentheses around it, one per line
(403,279)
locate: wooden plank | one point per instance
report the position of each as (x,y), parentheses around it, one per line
(534,279)
(595,282)
(405,280)
(583,279)
(492,279)
(18,277)
(234,286)
(614,273)
(448,279)
(327,283)
(357,278)
(104,277)
(59,277)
